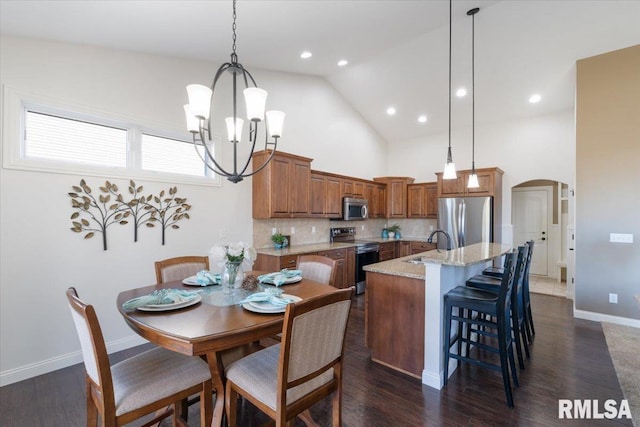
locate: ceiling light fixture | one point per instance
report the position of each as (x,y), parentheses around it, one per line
(342,63)
(306,55)
(199,120)
(449,167)
(535,98)
(461,92)
(391,111)
(473,178)
(422,118)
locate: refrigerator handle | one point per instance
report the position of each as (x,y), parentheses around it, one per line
(461,221)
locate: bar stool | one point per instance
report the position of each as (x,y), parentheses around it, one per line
(497,272)
(492,284)
(488,306)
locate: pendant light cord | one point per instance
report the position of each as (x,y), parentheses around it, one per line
(450,44)
(473,94)
(234,57)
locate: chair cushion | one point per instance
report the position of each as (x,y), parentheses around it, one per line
(154,375)
(486,283)
(463,292)
(493,271)
(258,375)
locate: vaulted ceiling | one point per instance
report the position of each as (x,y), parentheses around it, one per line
(397,49)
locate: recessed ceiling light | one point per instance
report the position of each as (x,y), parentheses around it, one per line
(535,98)
(306,54)
(422,118)
(391,111)
(342,63)
(461,92)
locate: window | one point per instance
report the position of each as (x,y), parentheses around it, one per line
(47,135)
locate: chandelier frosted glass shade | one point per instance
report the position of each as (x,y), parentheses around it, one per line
(199,100)
(234,128)
(275,122)
(256,101)
(449,171)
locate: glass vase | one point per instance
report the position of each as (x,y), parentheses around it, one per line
(232,276)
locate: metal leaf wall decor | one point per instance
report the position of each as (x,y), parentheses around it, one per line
(96,215)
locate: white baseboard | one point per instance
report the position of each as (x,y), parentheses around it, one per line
(599,317)
(31,370)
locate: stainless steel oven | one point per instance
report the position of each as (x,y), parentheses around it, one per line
(366,253)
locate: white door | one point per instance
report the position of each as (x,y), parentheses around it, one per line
(530,216)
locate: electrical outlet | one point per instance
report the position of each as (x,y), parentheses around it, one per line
(313,229)
(431,228)
(362,227)
(621,238)
(274,230)
(293,230)
(613,298)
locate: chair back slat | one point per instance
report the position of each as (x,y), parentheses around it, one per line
(179,268)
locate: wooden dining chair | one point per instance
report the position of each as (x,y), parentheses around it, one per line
(179,268)
(156,380)
(285,380)
(317,268)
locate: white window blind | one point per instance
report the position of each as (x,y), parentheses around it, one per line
(56,138)
(170,155)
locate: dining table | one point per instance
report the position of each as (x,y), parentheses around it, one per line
(213,327)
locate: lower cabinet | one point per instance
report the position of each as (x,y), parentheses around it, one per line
(387,251)
(417,247)
(340,257)
(404,248)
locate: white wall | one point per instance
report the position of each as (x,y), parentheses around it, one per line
(538,148)
(40,257)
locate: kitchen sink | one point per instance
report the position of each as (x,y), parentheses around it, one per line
(417,260)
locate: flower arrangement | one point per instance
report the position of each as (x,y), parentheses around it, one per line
(233,252)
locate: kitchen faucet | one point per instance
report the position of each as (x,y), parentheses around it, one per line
(430,239)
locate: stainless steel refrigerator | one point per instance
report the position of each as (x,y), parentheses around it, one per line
(467,220)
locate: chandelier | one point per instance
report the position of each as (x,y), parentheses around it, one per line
(199,120)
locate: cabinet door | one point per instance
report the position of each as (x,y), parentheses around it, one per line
(417,247)
(333,197)
(381,189)
(485,179)
(431,200)
(280,197)
(404,249)
(452,187)
(358,189)
(416,201)
(397,202)
(351,267)
(299,184)
(318,195)
(341,274)
(347,188)
(288,261)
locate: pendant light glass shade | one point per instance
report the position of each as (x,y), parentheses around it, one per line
(193,125)
(275,121)
(473,180)
(234,128)
(449,168)
(199,100)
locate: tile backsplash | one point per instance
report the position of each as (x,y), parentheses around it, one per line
(316,230)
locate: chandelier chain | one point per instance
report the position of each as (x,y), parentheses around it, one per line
(234,57)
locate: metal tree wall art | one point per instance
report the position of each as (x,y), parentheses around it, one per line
(141,210)
(95,215)
(169,210)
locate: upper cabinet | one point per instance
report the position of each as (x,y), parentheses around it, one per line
(396,195)
(282,188)
(375,195)
(326,195)
(490,180)
(422,200)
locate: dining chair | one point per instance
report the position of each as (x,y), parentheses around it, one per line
(179,268)
(156,381)
(317,268)
(286,379)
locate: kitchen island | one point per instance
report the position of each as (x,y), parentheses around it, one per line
(404,306)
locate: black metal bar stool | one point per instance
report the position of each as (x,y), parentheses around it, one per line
(518,320)
(466,301)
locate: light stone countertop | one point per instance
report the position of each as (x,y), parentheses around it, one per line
(461,257)
(327,246)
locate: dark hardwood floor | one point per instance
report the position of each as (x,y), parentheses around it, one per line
(569,361)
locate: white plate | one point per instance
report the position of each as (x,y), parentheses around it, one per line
(173,306)
(192,281)
(267,308)
(288,281)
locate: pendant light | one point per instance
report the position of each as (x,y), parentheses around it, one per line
(199,120)
(473,178)
(449,167)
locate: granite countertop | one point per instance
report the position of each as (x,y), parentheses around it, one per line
(327,246)
(461,257)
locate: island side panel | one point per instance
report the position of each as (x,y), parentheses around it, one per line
(395,322)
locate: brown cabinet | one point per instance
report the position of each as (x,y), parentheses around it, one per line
(417,247)
(325,196)
(282,188)
(340,257)
(387,251)
(375,195)
(272,263)
(422,200)
(353,188)
(396,195)
(351,267)
(490,180)
(404,248)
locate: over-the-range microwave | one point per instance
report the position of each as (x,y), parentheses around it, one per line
(354,209)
